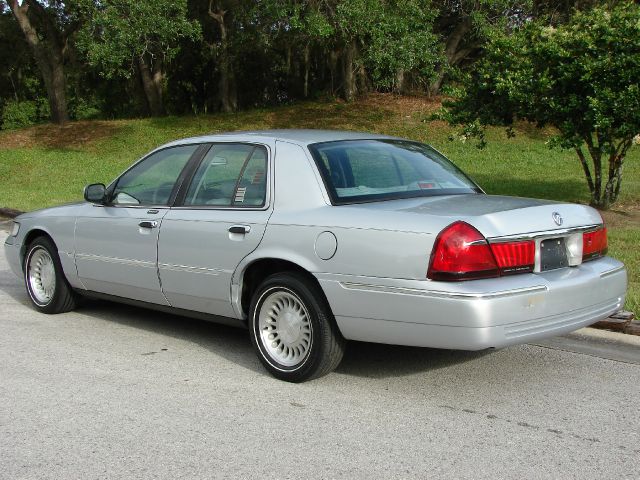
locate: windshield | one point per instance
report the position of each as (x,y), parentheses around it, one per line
(372,170)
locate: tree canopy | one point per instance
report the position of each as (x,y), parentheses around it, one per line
(112,58)
(125,37)
(125,57)
(581,77)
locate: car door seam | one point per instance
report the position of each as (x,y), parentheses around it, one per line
(158,256)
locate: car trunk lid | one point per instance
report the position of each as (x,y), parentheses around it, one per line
(493,215)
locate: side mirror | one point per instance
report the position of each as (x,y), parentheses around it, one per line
(95,193)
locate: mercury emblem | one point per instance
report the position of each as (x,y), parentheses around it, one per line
(557,218)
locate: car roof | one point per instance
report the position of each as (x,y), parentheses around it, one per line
(299,136)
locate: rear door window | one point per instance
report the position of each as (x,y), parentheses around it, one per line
(230,175)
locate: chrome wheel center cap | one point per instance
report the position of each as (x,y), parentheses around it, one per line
(289,327)
(46,275)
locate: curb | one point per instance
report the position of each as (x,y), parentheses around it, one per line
(9,212)
(598,343)
(622,322)
(607,336)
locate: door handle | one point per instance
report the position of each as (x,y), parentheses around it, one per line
(243,229)
(148,224)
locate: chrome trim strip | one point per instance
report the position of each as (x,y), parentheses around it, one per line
(221,207)
(122,261)
(612,271)
(160,208)
(190,269)
(544,234)
(438,293)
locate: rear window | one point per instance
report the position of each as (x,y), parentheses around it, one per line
(372,170)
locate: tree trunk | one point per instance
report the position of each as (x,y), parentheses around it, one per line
(401,82)
(349,75)
(451,53)
(56,92)
(436,83)
(226,87)
(152,86)
(363,85)
(307,54)
(614,181)
(603,198)
(49,55)
(596,158)
(333,69)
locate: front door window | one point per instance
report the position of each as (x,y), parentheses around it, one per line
(151,181)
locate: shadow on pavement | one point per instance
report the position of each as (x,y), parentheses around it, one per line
(361,359)
(376,360)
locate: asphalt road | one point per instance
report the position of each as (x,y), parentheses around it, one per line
(116,392)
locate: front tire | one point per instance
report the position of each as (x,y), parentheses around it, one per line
(43,276)
(292,329)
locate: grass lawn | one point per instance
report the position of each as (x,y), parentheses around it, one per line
(48,165)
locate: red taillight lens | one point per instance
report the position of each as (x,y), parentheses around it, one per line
(461,253)
(514,257)
(594,244)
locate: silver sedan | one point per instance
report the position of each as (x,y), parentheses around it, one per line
(311,238)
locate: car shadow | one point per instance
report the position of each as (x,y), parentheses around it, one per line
(361,359)
(377,360)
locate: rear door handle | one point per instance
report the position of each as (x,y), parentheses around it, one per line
(243,229)
(148,224)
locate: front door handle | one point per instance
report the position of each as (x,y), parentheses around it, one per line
(148,224)
(243,229)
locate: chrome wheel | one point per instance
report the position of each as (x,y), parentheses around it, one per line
(285,328)
(41,276)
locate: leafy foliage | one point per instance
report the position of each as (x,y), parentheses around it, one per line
(19,114)
(581,78)
(395,35)
(115,58)
(122,30)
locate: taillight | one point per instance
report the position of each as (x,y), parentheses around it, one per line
(461,253)
(594,244)
(515,257)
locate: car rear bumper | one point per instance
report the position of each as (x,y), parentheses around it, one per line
(477,314)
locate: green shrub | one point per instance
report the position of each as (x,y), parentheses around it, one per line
(85,109)
(16,114)
(23,113)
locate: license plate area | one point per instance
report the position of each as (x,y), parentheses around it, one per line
(553,254)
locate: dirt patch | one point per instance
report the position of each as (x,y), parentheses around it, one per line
(623,215)
(406,105)
(71,135)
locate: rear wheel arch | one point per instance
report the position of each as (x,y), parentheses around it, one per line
(259,270)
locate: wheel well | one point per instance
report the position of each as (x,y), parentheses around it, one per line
(255,274)
(29,238)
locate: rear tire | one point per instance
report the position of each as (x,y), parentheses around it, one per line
(293,330)
(44,278)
